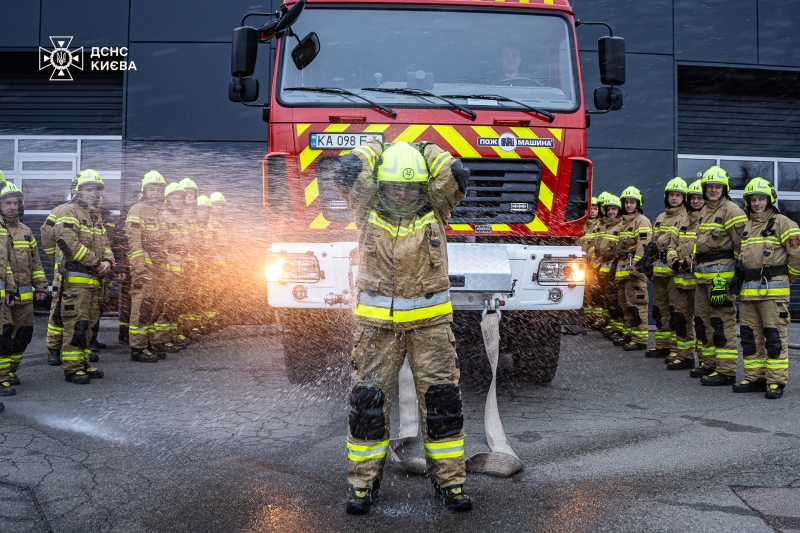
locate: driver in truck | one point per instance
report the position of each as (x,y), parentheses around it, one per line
(402,196)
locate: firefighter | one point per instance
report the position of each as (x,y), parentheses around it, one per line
(770,262)
(666,230)
(683,317)
(719,237)
(7,291)
(586,242)
(85,258)
(143,229)
(605,251)
(600,306)
(29,276)
(402,196)
(189,318)
(171,295)
(634,232)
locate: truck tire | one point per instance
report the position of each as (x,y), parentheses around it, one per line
(533,338)
(310,338)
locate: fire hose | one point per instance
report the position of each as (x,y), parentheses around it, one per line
(501,460)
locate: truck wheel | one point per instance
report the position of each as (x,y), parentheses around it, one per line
(533,338)
(309,337)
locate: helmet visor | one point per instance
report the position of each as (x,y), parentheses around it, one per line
(401,199)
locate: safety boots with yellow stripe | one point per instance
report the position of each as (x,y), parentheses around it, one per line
(680,364)
(144,356)
(454,498)
(757,385)
(79,378)
(657,353)
(715,379)
(774,391)
(13,380)
(6,389)
(360,500)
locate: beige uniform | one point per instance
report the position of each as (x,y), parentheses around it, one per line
(634,233)
(666,229)
(7,286)
(605,251)
(47,234)
(719,236)
(404,310)
(170,298)
(683,318)
(591,297)
(771,261)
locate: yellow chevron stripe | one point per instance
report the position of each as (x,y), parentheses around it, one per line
(319,222)
(307,156)
(486,131)
(301,128)
(458,142)
(548,2)
(556,133)
(546,196)
(351,225)
(501,227)
(411,133)
(460,227)
(376,128)
(537,226)
(545,154)
(312,191)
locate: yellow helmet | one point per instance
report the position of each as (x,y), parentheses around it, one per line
(695,188)
(188,183)
(2,176)
(676,185)
(613,201)
(601,199)
(87,176)
(153,177)
(716,175)
(756,186)
(9,188)
(594,200)
(402,163)
(173,188)
(632,192)
(203,201)
(216,197)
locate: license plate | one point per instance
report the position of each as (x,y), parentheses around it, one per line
(338,141)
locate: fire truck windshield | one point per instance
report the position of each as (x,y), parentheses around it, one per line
(525,57)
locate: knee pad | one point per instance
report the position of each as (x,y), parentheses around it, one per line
(718,325)
(772,342)
(8,330)
(677,323)
(444,418)
(657,316)
(635,318)
(23,338)
(700,330)
(79,335)
(748,341)
(366,413)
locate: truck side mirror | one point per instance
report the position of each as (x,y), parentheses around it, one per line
(611,52)
(243,51)
(608,98)
(290,16)
(243,90)
(305,51)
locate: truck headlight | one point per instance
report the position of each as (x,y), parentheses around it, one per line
(286,267)
(561,270)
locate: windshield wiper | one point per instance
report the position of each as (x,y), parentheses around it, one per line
(344,92)
(549,116)
(420,92)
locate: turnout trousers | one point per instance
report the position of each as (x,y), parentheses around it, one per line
(765,346)
(683,321)
(633,300)
(55,325)
(144,308)
(663,304)
(377,357)
(80,305)
(715,328)
(611,298)
(18,328)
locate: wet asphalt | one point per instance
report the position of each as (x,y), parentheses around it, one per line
(216,438)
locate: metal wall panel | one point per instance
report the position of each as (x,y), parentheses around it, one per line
(779,33)
(716,31)
(89,22)
(646,25)
(19,24)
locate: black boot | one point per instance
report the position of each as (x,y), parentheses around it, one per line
(97,345)
(143,356)
(774,391)
(358,501)
(53,357)
(79,378)
(13,379)
(680,364)
(6,389)
(633,346)
(700,371)
(657,353)
(715,379)
(167,347)
(123,339)
(672,357)
(94,373)
(454,498)
(617,340)
(758,385)
(94,358)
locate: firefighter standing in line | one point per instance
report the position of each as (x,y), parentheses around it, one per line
(85,258)
(719,237)
(605,250)
(7,291)
(28,275)
(770,262)
(599,292)
(633,299)
(666,229)
(586,243)
(189,319)
(204,251)
(143,229)
(685,284)
(402,196)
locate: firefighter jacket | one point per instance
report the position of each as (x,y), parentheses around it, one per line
(666,233)
(24,261)
(116,239)
(719,238)
(176,239)
(634,233)
(47,233)
(82,243)
(686,239)
(7,282)
(403,278)
(590,232)
(770,256)
(144,230)
(605,244)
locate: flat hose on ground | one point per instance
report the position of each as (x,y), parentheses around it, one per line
(501,461)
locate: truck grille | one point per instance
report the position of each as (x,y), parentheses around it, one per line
(499,192)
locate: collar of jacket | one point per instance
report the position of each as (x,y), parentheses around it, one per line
(81,203)
(672,211)
(630,216)
(694,215)
(716,204)
(611,221)
(759,218)
(11,222)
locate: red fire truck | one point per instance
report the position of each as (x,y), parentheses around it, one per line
(495,82)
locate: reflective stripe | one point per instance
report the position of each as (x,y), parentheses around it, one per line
(440,160)
(445,450)
(24,244)
(55,330)
(72,355)
(777,364)
(725,353)
(368,152)
(788,233)
(360,453)
(403,304)
(80,253)
(382,313)
(50,251)
(741,219)
(24,293)
(770,288)
(686,345)
(134,330)
(401,231)
(38,274)
(68,220)
(755,363)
